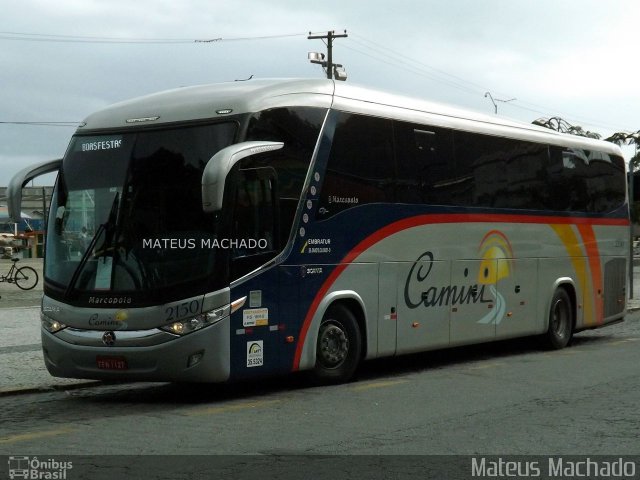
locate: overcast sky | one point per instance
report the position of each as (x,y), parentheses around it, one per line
(572,58)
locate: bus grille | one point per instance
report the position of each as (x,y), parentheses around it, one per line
(614,286)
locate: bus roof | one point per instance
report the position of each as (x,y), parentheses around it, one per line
(217,100)
(204,101)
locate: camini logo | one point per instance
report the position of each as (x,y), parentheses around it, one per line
(496,256)
(497,262)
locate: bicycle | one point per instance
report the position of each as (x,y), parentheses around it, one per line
(24,277)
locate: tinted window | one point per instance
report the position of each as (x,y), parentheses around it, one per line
(360,169)
(501,172)
(480,168)
(586,180)
(607,181)
(504,173)
(254,226)
(253,212)
(567,185)
(298,128)
(425,164)
(122,196)
(526,165)
(438,166)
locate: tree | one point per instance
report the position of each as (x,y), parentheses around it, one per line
(619,138)
(626,138)
(561,125)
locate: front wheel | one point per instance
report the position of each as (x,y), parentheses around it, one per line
(560,321)
(26,278)
(339,346)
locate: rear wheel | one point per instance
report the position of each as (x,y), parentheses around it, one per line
(26,278)
(560,321)
(339,346)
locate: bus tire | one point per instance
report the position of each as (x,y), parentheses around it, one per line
(560,327)
(339,346)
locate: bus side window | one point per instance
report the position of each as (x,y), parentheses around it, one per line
(481,169)
(606,191)
(298,128)
(255,235)
(425,163)
(361,165)
(567,182)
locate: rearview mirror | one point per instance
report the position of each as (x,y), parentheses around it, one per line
(219,166)
(20,179)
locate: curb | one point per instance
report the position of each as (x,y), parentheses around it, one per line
(9,392)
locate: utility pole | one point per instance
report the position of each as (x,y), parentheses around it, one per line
(328,64)
(631,197)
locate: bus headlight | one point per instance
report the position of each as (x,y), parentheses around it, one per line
(198,322)
(51,325)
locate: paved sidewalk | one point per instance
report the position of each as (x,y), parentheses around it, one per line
(11,295)
(22,368)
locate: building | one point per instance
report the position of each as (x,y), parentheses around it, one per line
(35,204)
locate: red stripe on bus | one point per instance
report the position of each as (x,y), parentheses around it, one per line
(426,220)
(593,255)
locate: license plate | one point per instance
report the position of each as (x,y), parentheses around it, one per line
(112,363)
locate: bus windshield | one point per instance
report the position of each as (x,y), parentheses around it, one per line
(126,214)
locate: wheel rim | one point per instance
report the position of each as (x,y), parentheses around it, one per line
(333,345)
(560,319)
(26,278)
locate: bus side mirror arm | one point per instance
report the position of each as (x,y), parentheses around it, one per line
(20,179)
(219,166)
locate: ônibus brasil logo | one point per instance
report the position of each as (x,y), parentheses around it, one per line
(35,469)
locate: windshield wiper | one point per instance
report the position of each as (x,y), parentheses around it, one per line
(87,253)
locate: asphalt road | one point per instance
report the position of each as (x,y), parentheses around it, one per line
(509,398)
(505,398)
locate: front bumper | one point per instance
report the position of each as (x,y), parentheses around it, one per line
(156,356)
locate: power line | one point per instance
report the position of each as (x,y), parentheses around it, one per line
(52,38)
(433,72)
(391,57)
(395,62)
(45,124)
(422,69)
(45,37)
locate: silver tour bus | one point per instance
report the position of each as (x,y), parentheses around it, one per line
(246,229)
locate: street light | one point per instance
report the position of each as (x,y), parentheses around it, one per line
(339,73)
(315,57)
(494,100)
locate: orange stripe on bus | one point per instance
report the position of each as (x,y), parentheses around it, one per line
(593,254)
